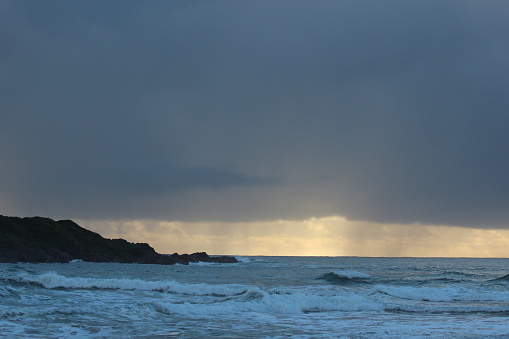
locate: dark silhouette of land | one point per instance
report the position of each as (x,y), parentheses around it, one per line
(43,240)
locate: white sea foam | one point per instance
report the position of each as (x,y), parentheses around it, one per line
(53,280)
(264,302)
(243,259)
(202,263)
(270,298)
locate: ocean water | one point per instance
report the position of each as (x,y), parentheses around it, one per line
(261,297)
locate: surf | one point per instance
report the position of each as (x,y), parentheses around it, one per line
(345,277)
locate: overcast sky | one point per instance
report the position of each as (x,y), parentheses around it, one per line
(242,111)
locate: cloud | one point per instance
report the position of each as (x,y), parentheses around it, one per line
(332,236)
(230,111)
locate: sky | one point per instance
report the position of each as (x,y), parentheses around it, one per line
(374,128)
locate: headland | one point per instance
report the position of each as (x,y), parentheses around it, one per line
(44,240)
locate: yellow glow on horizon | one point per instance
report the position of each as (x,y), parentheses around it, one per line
(329,236)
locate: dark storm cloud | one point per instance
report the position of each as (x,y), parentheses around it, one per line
(386,111)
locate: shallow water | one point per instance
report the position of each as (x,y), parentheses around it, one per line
(277,297)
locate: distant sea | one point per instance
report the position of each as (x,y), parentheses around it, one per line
(260,297)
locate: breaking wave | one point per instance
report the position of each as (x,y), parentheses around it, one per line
(345,277)
(243,259)
(266,302)
(208,299)
(53,280)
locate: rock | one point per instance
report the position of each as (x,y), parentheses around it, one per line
(43,240)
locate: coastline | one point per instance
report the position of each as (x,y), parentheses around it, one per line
(44,240)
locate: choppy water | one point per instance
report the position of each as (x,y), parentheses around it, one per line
(276,297)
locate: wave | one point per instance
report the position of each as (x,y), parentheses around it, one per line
(459,273)
(8,291)
(505,278)
(243,259)
(345,277)
(202,263)
(266,302)
(208,300)
(457,308)
(444,294)
(36,312)
(204,299)
(53,280)
(415,293)
(445,300)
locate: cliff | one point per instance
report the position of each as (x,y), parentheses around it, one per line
(43,240)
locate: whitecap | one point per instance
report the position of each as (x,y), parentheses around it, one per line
(264,302)
(243,259)
(53,280)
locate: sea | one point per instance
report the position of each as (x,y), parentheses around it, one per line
(259,297)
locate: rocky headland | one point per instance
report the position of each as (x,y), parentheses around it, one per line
(43,240)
